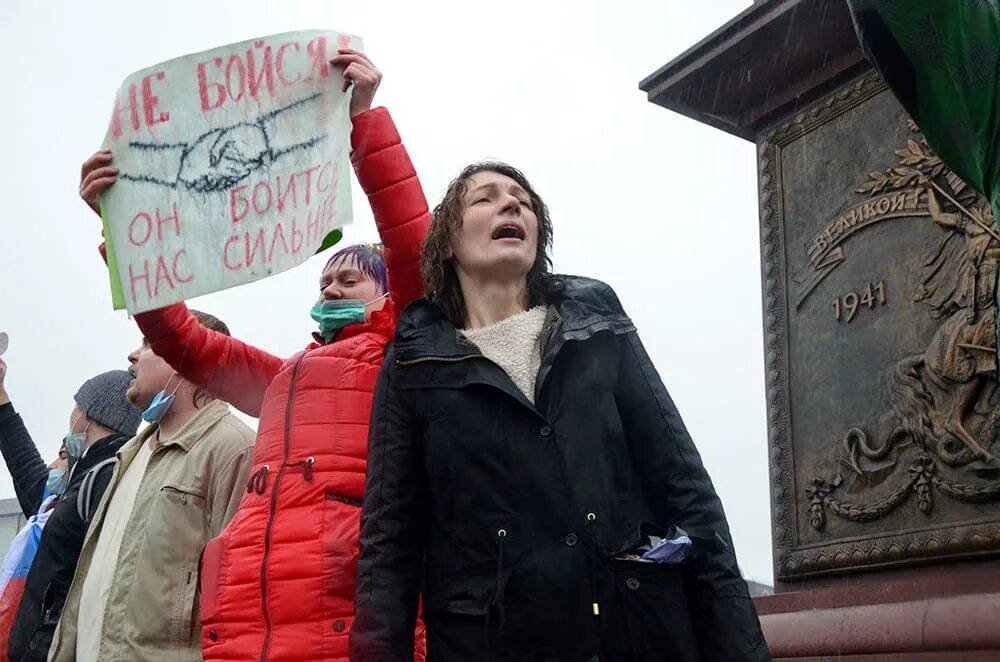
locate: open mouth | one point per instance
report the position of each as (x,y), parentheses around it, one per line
(509,232)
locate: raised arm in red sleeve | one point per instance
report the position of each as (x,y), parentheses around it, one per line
(396,198)
(228,368)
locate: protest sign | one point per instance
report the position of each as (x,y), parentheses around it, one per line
(233,165)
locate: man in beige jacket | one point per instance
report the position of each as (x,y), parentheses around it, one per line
(135,592)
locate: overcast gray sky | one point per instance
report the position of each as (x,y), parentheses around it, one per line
(661,207)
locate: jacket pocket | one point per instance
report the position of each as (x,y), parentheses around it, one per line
(655,609)
(34,645)
(210,583)
(183,494)
(178,525)
(184,622)
(341,524)
(164,588)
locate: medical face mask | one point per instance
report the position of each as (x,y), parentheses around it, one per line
(56,483)
(160,405)
(75,443)
(332,315)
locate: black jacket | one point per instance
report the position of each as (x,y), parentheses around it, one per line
(506,515)
(62,537)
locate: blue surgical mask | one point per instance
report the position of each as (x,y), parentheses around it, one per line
(160,404)
(56,483)
(75,443)
(334,314)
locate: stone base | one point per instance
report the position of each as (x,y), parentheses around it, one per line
(926,614)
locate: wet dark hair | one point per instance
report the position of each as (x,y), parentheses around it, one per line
(436,261)
(370,260)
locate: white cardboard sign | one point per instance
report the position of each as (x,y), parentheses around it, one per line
(233,165)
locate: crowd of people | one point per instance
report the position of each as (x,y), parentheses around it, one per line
(472,458)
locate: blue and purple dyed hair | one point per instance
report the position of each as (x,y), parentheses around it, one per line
(369,259)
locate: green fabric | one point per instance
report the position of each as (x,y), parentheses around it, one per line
(953,47)
(942,60)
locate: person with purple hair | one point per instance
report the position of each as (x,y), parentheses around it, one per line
(278,583)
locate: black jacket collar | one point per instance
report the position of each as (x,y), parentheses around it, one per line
(582,306)
(99,451)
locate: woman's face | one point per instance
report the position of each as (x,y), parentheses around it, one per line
(498,239)
(345,279)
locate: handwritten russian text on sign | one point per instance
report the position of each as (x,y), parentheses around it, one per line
(233,165)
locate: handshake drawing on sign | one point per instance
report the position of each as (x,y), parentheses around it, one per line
(220,158)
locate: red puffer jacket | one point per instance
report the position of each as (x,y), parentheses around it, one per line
(278,584)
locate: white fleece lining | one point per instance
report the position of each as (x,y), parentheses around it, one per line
(513,345)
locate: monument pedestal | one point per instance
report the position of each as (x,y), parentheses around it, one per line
(937,613)
(878,267)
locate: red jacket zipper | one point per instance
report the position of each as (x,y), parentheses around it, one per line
(264,652)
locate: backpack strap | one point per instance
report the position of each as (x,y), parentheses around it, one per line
(83,497)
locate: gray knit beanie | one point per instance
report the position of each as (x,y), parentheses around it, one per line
(102,398)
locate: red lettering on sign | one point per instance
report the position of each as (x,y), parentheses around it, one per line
(279,65)
(237,216)
(234,264)
(266,70)
(132,106)
(149,100)
(278,232)
(181,279)
(134,278)
(319,61)
(258,72)
(148,115)
(167,273)
(175,218)
(204,86)
(140,229)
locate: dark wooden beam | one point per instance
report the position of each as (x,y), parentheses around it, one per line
(775,56)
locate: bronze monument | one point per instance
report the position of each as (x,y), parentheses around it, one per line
(883,402)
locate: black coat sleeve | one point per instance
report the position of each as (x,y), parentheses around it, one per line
(393,517)
(681,493)
(26,466)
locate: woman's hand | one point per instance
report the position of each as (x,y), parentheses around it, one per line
(96,175)
(362,72)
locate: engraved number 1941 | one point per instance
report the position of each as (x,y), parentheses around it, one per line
(845,307)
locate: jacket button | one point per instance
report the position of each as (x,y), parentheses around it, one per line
(571,540)
(546,431)
(213,635)
(338,625)
(632,583)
